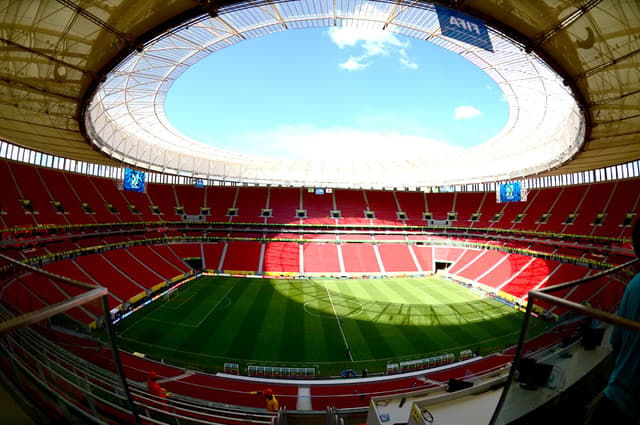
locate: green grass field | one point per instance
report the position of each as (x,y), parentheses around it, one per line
(296,323)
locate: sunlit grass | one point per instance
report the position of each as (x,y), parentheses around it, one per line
(299,322)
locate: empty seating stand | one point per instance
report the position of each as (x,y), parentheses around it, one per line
(63,192)
(318,208)
(321,258)
(242,257)
(383,206)
(282,257)
(360,258)
(219,200)
(250,203)
(397,258)
(352,206)
(284,204)
(413,204)
(161,265)
(42,196)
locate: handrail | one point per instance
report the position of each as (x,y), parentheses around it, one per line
(584,279)
(43,272)
(309,226)
(457,241)
(543,294)
(587,311)
(50,311)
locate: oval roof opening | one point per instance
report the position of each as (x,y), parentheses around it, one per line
(312,93)
(126,117)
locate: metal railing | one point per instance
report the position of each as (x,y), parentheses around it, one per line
(76,388)
(73,378)
(513,402)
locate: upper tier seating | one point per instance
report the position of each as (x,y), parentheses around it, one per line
(33,189)
(318,208)
(467,205)
(164,197)
(352,206)
(384,207)
(219,200)
(62,191)
(250,202)
(190,198)
(28,200)
(440,205)
(283,203)
(413,204)
(13,213)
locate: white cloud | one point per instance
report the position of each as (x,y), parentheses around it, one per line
(308,142)
(466,112)
(354,64)
(406,61)
(374,42)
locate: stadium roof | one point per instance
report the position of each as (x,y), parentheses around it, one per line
(56,54)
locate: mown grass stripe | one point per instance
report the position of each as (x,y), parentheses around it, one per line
(293,324)
(251,312)
(290,321)
(374,336)
(217,336)
(270,333)
(191,339)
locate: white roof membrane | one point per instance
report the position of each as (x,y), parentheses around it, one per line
(126,117)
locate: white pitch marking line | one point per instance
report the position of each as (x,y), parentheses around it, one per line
(335,313)
(215,306)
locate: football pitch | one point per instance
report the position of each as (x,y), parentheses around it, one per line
(298,323)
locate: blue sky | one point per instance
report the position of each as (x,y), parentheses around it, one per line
(307,93)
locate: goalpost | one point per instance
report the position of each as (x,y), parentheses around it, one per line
(170,295)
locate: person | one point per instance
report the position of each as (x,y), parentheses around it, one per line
(154,387)
(270,398)
(364,372)
(620,403)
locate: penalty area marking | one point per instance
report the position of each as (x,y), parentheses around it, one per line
(176,293)
(215,307)
(170,306)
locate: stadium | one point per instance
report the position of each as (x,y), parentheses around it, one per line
(449,287)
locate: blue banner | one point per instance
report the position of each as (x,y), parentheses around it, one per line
(463,27)
(510,192)
(133,180)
